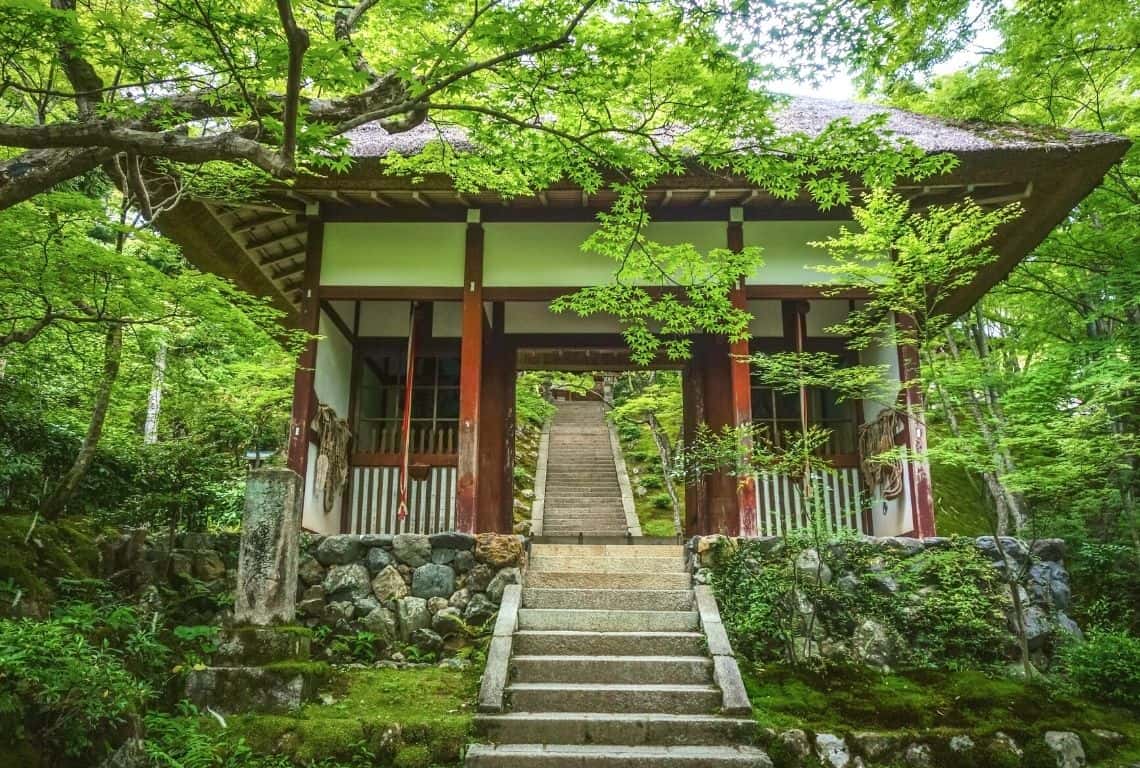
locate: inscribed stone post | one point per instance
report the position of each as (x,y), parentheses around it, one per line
(267,564)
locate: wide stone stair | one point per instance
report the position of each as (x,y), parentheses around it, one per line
(614,663)
(582,491)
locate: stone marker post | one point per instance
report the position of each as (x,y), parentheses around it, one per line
(267,563)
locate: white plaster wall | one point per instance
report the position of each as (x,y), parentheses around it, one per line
(331,381)
(385,318)
(889,517)
(767,318)
(550,254)
(788,259)
(536,317)
(824,313)
(393,253)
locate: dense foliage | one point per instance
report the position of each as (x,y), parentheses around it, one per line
(1036,390)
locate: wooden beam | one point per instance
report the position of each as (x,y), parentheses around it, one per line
(470,383)
(304,397)
(338,321)
(392,292)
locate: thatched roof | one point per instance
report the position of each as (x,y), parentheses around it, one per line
(798,114)
(263,245)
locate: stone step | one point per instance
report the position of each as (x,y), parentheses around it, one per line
(609,550)
(608,621)
(629,670)
(579,643)
(620,728)
(606,564)
(611,697)
(611,599)
(676,579)
(603,756)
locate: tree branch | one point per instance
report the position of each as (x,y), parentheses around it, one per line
(298,43)
(174,144)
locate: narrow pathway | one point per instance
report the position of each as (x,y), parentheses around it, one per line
(582,491)
(610,668)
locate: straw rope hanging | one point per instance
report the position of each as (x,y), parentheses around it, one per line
(334,436)
(875,439)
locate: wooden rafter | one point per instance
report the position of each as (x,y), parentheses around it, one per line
(259,221)
(289,234)
(286,254)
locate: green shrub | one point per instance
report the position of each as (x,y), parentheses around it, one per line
(1106,666)
(662,501)
(652,482)
(63,694)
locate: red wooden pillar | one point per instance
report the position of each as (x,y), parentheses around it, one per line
(693,415)
(492,430)
(719,513)
(745,520)
(470,380)
(914,433)
(304,396)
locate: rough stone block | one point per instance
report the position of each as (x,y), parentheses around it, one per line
(252,646)
(339,550)
(433,580)
(276,689)
(266,591)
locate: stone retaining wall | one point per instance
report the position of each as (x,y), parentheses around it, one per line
(430,592)
(1038,566)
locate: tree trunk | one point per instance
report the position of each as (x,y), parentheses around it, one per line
(53,506)
(663,450)
(1003,463)
(154,400)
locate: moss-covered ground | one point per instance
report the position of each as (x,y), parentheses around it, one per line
(33,563)
(409,718)
(924,703)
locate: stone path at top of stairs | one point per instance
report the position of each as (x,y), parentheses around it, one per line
(609,669)
(582,491)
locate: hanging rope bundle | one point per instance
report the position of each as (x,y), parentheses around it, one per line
(334,436)
(877,438)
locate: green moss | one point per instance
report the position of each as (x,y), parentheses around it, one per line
(319,670)
(414,756)
(55,550)
(412,715)
(930,703)
(960,506)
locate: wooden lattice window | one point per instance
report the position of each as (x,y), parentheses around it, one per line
(380,393)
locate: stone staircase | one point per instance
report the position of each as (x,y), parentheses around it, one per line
(615,661)
(582,493)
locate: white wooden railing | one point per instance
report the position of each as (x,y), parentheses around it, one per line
(838,495)
(374,500)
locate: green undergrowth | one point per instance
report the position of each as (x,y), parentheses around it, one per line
(927,703)
(411,718)
(654,511)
